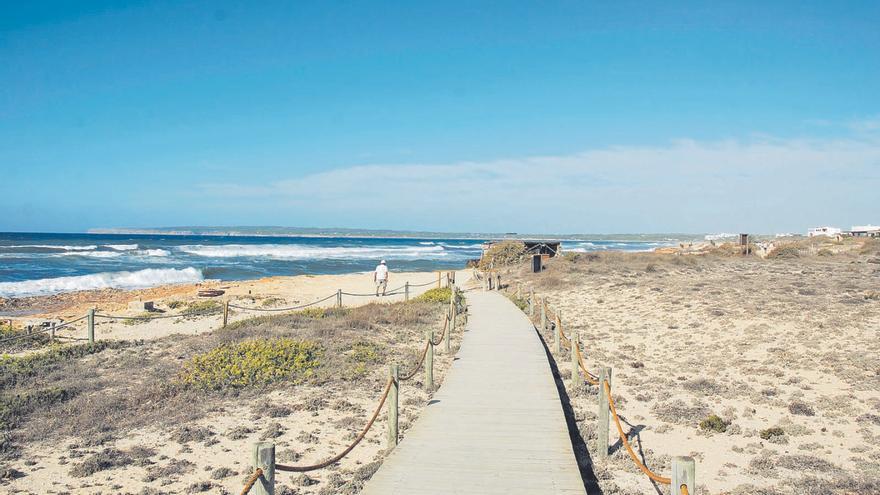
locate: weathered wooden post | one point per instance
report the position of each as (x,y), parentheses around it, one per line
(225,313)
(604,415)
(339,298)
(429,361)
(683,473)
(575,373)
(531,303)
(447,339)
(406,292)
(264,458)
(438,279)
(52,332)
(543,315)
(392,406)
(498,281)
(91,325)
(557,344)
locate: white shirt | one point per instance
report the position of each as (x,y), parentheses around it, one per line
(381,272)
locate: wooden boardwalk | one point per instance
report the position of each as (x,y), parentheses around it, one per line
(495,426)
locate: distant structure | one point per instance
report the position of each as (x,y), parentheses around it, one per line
(864,230)
(826,231)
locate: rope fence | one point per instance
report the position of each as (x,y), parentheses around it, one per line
(92,314)
(264,452)
(682,479)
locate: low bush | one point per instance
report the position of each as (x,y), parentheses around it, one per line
(714,423)
(15,368)
(199,308)
(14,406)
(769,433)
(252,362)
(436,294)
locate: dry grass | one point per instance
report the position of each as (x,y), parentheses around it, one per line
(765,345)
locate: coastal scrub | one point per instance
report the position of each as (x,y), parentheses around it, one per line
(252,362)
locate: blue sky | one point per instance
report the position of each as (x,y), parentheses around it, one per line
(478,116)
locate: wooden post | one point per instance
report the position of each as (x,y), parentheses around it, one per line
(557,344)
(339,298)
(531,303)
(406,292)
(604,415)
(264,458)
(575,374)
(429,361)
(543,315)
(91,325)
(447,339)
(225,313)
(438,279)
(683,473)
(52,332)
(498,283)
(392,406)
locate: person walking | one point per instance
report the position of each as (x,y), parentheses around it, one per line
(380,276)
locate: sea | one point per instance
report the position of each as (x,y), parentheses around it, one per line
(42,264)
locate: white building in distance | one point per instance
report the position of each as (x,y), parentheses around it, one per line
(828,231)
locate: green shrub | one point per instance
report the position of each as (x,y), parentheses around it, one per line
(362,355)
(436,294)
(714,423)
(253,362)
(176,304)
(769,433)
(521,302)
(199,308)
(825,252)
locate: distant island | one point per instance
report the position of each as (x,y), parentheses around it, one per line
(273,231)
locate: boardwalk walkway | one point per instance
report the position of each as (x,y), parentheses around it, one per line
(495,426)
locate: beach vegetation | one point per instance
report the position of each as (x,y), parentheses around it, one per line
(504,253)
(825,252)
(138,319)
(252,363)
(201,308)
(437,294)
(176,304)
(363,356)
(14,406)
(770,433)
(271,301)
(14,369)
(714,423)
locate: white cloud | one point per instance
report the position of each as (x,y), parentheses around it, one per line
(757,185)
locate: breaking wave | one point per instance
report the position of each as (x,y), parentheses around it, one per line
(122,247)
(120,280)
(293,251)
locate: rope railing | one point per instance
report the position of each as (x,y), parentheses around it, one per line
(682,467)
(292,308)
(623,439)
(389,396)
(336,458)
(43,330)
(250,482)
(155,317)
(418,365)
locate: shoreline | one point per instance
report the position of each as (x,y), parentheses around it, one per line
(171,300)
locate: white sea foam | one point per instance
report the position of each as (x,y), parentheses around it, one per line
(301,252)
(122,280)
(122,247)
(51,246)
(153,252)
(92,254)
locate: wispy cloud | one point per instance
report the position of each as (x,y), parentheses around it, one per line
(757,185)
